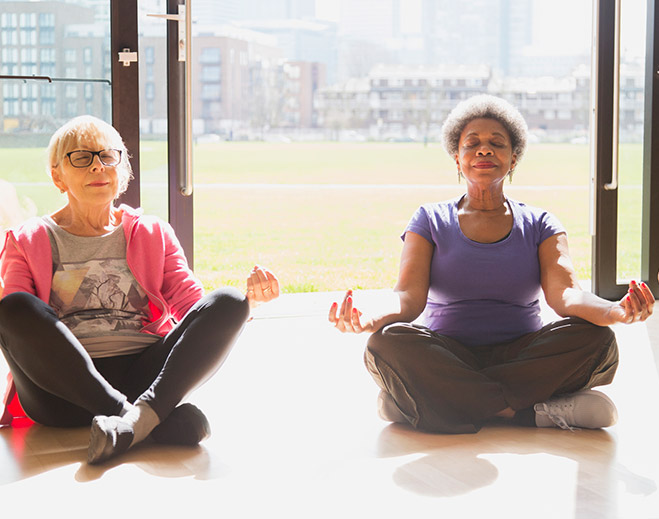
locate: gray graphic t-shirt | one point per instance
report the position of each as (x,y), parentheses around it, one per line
(95,294)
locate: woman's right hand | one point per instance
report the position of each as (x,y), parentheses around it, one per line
(346,318)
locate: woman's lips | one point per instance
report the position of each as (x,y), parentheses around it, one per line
(484,165)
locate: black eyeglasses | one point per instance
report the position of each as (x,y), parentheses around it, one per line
(84,158)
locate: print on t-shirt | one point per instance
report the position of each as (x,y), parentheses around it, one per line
(98,296)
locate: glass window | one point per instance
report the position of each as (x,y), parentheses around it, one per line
(29,69)
(33,36)
(8,20)
(211,73)
(46,20)
(210,55)
(28,20)
(211,91)
(47,36)
(28,36)
(9,36)
(149,55)
(47,69)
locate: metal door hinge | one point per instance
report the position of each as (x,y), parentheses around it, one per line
(126,56)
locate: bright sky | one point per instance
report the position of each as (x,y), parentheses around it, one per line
(562,26)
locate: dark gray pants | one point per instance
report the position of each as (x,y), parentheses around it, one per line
(58,384)
(443,386)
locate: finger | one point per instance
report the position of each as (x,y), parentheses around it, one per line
(332,313)
(262,288)
(254,287)
(261,279)
(632,305)
(273,282)
(337,319)
(648,293)
(356,323)
(250,288)
(645,293)
(345,300)
(347,315)
(639,301)
(649,298)
(629,309)
(645,304)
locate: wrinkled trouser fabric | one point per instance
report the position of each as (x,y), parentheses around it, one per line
(59,384)
(440,385)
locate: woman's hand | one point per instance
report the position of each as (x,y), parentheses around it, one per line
(347,318)
(636,306)
(262,286)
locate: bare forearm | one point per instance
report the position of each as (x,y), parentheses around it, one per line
(400,307)
(579,303)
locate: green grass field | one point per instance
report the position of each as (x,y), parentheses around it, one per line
(279,204)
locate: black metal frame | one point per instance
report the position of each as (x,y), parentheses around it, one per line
(181,208)
(125,89)
(604,244)
(650,236)
(605,235)
(126,114)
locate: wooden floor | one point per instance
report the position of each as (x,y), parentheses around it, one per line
(295,434)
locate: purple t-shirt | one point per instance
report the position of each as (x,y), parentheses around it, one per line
(483,293)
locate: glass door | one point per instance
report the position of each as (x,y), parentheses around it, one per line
(165,122)
(622,187)
(58,60)
(54,65)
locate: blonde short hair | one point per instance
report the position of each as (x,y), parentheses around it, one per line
(85,128)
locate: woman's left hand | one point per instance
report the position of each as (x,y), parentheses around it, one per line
(262,286)
(636,306)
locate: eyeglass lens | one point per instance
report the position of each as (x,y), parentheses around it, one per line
(83,158)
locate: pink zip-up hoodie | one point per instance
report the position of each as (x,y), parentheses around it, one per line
(154,256)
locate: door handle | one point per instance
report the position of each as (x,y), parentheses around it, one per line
(184,21)
(613,185)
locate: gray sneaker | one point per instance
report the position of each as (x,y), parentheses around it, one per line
(586,409)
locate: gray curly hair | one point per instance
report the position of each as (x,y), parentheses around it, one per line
(484,106)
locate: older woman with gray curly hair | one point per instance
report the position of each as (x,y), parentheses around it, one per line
(102,322)
(464,343)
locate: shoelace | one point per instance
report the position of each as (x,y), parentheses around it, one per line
(544,410)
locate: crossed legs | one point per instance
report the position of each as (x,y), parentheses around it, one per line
(60,385)
(440,385)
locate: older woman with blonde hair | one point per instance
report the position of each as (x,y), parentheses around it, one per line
(464,344)
(102,322)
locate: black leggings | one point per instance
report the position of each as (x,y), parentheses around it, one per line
(60,385)
(443,386)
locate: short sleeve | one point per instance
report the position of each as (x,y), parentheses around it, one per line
(419,224)
(549,226)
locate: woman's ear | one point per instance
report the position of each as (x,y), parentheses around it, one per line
(57,180)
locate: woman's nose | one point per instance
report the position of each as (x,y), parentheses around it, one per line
(96,163)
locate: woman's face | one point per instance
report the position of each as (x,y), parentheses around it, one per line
(485,152)
(94,185)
